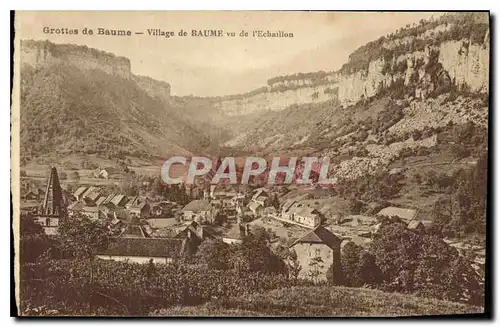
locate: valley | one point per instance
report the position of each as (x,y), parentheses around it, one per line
(404,123)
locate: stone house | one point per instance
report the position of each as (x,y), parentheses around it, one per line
(402,213)
(236,234)
(301,214)
(142,250)
(198,210)
(119,200)
(140,211)
(255,207)
(79,192)
(319,245)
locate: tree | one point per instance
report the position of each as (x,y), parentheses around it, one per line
(214,253)
(396,249)
(350,264)
(33,241)
(254,255)
(315,266)
(368,271)
(355,206)
(291,260)
(82,237)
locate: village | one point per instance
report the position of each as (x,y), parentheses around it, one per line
(145,228)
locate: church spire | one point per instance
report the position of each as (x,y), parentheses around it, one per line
(53,204)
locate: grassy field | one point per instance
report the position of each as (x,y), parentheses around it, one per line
(323,302)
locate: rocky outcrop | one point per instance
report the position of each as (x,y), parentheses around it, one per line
(466,63)
(155,88)
(424,61)
(276,100)
(44,53)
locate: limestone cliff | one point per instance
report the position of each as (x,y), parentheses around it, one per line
(44,53)
(421,60)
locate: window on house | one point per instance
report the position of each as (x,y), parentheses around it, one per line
(317,252)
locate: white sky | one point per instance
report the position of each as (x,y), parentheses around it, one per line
(222,66)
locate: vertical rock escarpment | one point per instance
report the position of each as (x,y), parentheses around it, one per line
(424,58)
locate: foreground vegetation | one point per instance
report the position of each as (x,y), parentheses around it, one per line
(335,301)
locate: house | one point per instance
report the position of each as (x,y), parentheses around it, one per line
(198,210)
(318,243)
(106,211)
(260,192)
(286,206)
(132,231)
(108,199)
(236,234)
(75,207)
(143,250)
(416,225)
(262,200)
(162,222)
(301,214)
(119,200)
(79,192)
(255,207)
(403,213)
(133,201)
(106,172)
(100,200)
(140,211)
(222,203)
(92,212)
(192,232)
(90,190)
(358,220)
(221,191)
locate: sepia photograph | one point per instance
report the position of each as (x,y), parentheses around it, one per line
(250,163)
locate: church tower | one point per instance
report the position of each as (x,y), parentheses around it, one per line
(53,204)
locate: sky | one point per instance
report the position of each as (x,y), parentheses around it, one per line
(215,66)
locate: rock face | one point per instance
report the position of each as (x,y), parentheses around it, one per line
(43,53)
(276,100)
(37,54)
(423,61)
(466,63)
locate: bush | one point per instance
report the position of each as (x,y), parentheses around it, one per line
(127,288)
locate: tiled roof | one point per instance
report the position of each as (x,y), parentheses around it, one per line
(147,247)
(288,203)
(99,201)
(89,190)
(76,206)
(254,205)
(406,214)
(197,205)
(80,191)
(132,231)
(119,199)
(161,222)
(319,235)
(414,224)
